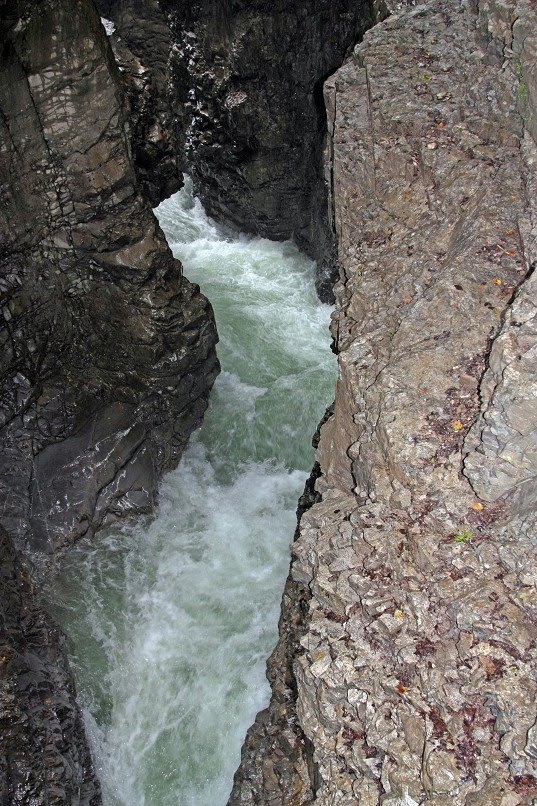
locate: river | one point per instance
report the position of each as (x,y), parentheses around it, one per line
(170,621)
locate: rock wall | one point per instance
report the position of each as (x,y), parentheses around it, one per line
(247,81)
(140,38)
(405,668)
(43,752)
(108,352)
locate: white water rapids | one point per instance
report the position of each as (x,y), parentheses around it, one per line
(170,623)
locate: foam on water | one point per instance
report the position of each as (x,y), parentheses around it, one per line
(170,622)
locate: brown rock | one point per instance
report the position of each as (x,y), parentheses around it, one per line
(426,695)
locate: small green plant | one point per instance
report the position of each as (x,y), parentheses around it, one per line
(521,90)
(463,536)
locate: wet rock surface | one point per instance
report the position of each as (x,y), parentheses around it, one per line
(108,353)
(107,350)
(140,38)
(405,668)
(247,79)
(43,754)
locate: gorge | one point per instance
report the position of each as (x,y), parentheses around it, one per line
(187,605)
(404,670)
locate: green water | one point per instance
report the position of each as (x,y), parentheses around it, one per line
(170,622)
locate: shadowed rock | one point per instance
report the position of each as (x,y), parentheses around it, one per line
(107,354)
(43,753)
(108,351)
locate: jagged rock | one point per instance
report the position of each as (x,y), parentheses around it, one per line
(141,41)
(108,353)
(248,82)
(410,679)
(43,753)
(107,350)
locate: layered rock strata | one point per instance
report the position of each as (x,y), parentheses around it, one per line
(247,81)
(108,353)
(405,668)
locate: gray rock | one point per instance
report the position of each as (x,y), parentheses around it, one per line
(407,678)
(108,351)
(247,79)
(141,42)
(43,752)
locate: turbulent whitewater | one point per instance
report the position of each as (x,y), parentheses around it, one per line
(170,622)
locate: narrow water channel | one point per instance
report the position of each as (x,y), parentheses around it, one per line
(170,622)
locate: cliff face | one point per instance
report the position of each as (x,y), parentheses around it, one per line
(403,674)
(247,81)
(141,41)
(108,352)
(239,96)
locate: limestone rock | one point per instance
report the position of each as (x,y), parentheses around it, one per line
(410,678)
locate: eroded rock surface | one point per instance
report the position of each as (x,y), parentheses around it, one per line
(247,78)
(107,350)
(405,668)
(43,754)
(141,40)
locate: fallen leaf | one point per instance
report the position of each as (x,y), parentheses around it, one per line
(398,613)
(477,506)
(457,425)
(497,281)
(509,232)
(400,688)
(441,124)
(511,252)
(390,245)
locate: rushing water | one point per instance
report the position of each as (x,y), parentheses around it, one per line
(170,623)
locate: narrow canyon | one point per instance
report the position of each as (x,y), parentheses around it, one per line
(376,156)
